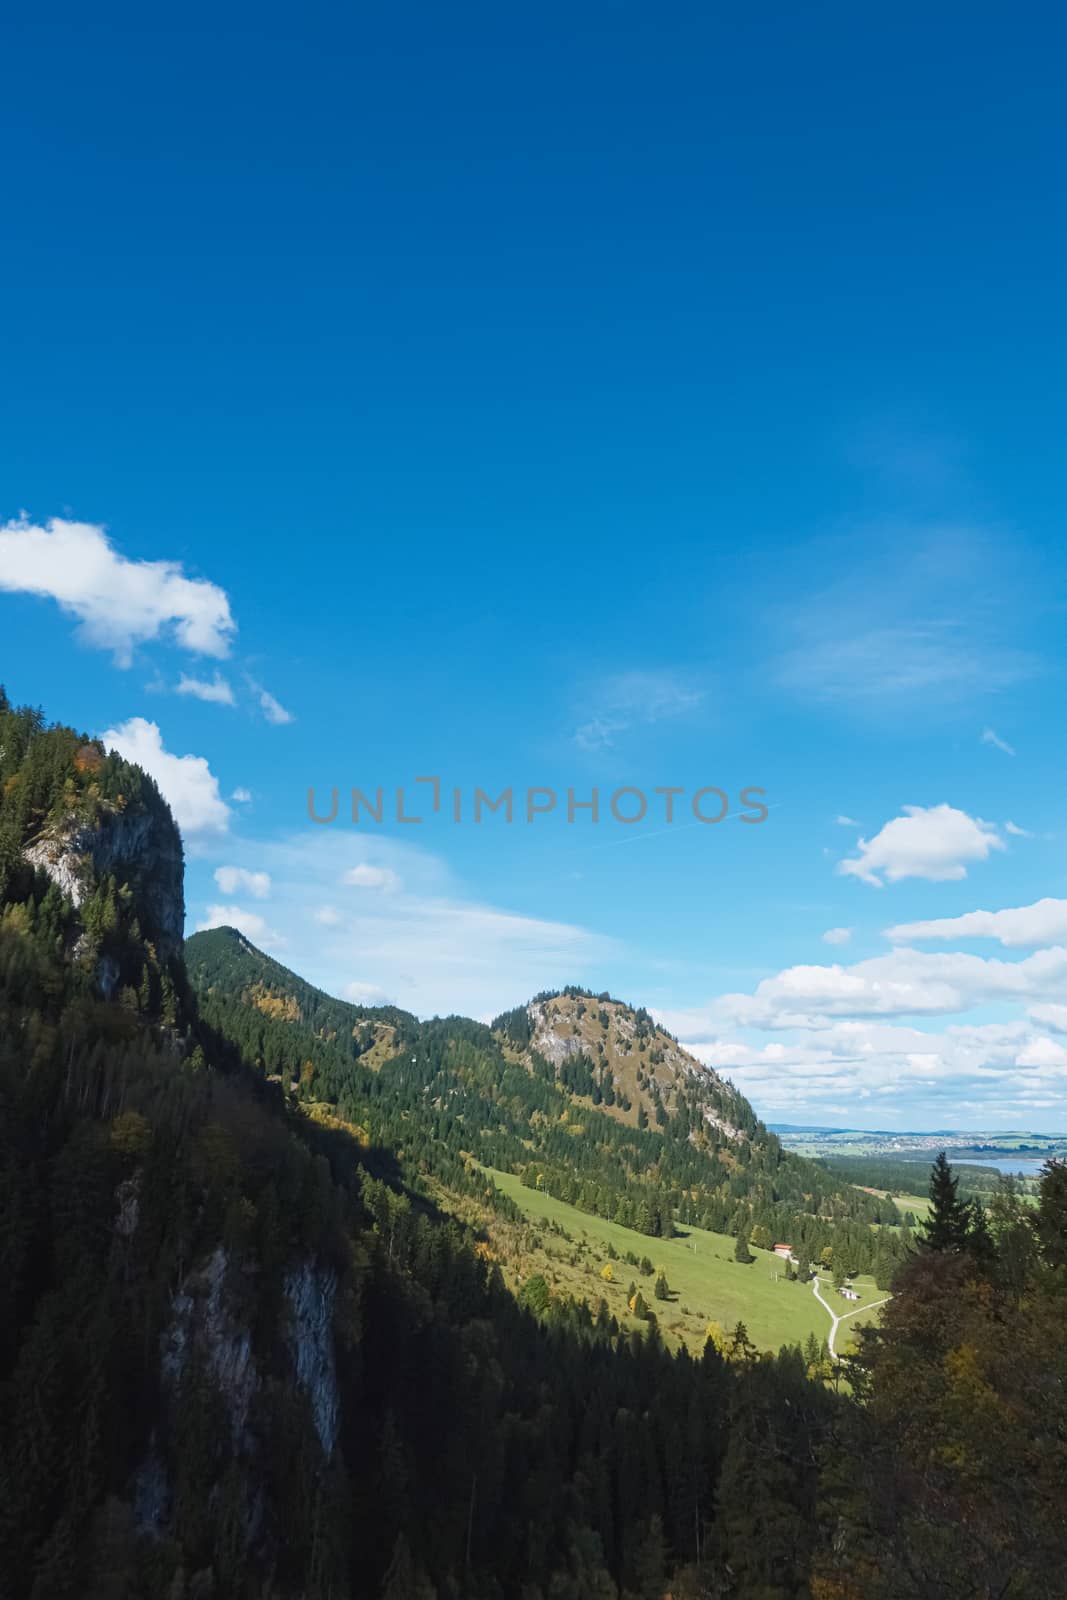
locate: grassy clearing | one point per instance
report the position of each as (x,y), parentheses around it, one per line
(857,1314)
(917,1204)
(707,1284)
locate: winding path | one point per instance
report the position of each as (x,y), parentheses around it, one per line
(835,1319)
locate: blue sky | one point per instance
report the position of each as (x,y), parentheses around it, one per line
(576,399)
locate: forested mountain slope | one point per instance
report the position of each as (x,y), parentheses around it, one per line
(234,1361)
(90,860)
(225,967)
(244,1357)
(456,1094)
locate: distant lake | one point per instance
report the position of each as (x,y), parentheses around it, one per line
(1030,1165)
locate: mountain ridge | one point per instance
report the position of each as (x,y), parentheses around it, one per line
(251,1346)
(636,1130)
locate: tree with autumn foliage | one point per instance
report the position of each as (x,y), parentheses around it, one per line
(949,1478)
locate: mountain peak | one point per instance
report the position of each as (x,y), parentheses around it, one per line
(618,1058)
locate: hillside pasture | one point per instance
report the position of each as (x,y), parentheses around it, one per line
(707,1284)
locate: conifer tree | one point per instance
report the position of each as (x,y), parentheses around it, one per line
(980,1244)
(1050,1224)
(948,1224)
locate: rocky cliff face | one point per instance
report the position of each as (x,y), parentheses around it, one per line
(138,848)
(204,1322)
(646,1065)
(311,1293)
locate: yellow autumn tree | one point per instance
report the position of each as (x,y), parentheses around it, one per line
(714,1335)
(130,1134)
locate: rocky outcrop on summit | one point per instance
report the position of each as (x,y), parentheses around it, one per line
(139,848)
(643,1064)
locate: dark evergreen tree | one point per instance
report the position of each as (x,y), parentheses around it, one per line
(948,1222)
(979,1241)
(1050,1223)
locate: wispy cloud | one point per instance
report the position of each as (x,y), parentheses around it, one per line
(633,699)
(837,936)
(899,663)
(216,690)
(366,876)
(426,943)
(271,708)
(990,737)
(917,621)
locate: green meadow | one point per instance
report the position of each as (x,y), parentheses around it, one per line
(707,1284)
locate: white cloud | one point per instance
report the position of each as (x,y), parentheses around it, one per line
(1044,922)
(187,783)
(846,822)
(242,796)
(990,737)
(250,923)
(902,983)
(235,880)
(931,842)
(837,936)
(365,994)
(628,699)
(972,1075)
(1017,832)
(271,708)
(1042,1052)
(119,603)
(215,690)
(1052,1016)
(329,916)
(366,876)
